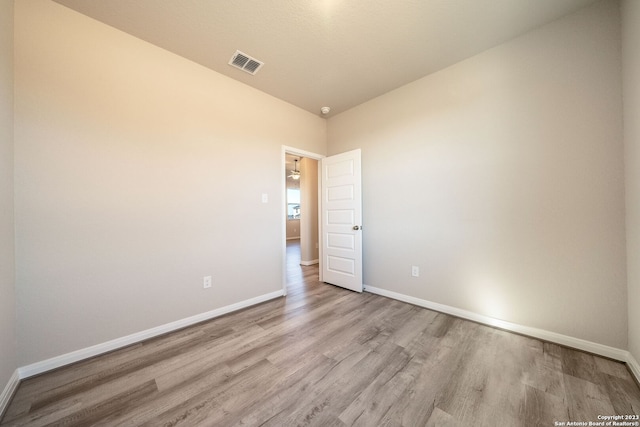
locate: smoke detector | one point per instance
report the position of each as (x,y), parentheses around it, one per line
(244,62)
(325,110)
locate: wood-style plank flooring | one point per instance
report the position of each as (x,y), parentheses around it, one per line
(324,356)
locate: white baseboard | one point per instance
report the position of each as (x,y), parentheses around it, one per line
(66,359)
(634,366)
(312,262)
(580,344)
(85,353)
(8,391)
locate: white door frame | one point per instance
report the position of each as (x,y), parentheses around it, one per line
(283,186)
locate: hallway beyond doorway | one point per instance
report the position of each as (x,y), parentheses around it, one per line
(298,275)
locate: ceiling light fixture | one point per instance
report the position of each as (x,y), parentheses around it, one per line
(295,173)
(325,110)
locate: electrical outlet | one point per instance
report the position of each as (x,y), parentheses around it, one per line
(415,271)
(207,282)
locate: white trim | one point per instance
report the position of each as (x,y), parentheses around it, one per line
(312,262)
(580,344)
(634,366)
(56,362)
(320,254)
(302,153)
(85,353)
(8,392)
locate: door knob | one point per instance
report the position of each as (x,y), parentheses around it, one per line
(356,227)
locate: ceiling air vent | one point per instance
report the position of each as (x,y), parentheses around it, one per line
(245,62)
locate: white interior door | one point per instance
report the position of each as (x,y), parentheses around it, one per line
(341,205)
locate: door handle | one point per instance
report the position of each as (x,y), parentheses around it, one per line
(356,227)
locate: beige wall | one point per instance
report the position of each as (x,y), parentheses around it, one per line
(293,229)
(7,294)
(309,217)
(631,94)
(501,177)
(127,185)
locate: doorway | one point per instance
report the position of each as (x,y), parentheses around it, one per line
(301,237)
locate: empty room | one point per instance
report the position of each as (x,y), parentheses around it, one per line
(466,220)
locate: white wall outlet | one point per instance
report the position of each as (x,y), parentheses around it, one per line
(207,282)
(415,271)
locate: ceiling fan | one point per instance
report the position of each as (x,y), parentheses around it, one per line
(295,173)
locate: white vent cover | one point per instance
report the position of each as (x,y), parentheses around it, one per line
(245,62)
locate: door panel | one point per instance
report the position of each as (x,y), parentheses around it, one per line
(342,220)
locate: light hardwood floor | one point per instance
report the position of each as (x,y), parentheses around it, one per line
(324,356)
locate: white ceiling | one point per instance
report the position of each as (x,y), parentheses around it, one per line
(336,53)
